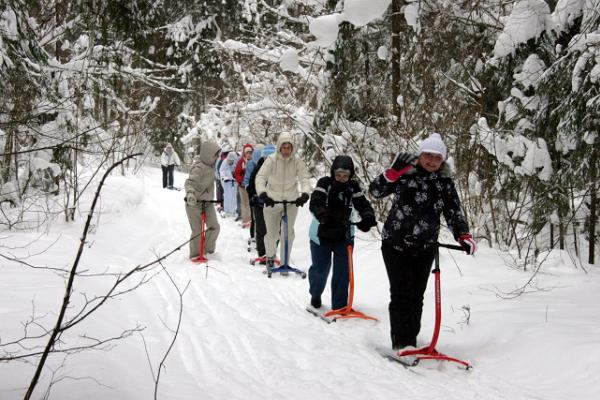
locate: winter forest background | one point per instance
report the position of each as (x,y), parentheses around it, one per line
(513,87)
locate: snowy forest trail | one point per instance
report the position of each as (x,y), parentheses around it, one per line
(245,336)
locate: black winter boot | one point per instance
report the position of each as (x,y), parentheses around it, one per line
(315,301)
(399,342)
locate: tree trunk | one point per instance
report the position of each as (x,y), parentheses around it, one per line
(398,24)
(593,206)
(8,149)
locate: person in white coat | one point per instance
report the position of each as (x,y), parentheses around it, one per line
(278,180)
(229,184)
(168,160)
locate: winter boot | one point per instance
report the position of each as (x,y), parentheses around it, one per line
(270,264)
(399,342)
(315,301)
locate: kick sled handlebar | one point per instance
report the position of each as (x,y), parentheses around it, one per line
(451,246)
(203,201)
(284,201)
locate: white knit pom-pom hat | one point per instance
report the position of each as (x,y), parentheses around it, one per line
(433,144)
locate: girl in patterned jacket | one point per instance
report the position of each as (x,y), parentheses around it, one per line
(423,191)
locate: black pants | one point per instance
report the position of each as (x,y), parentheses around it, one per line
(167,173)
(260,231)
(219,191)
(408,272)
(252,222)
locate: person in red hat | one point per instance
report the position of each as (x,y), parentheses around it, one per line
(238,174)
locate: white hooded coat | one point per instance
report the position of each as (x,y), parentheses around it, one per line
(279,177)
(168,158)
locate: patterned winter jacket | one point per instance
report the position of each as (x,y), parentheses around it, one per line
(420,197)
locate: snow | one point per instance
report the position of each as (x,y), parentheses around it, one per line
(325,28)
(244,336)
(9,25)
(358,12)
(531,72)
(566,12)
(528,19)
(524,156)
(587,45)
(411,15)
(361,12)
(289,60)
(383,53)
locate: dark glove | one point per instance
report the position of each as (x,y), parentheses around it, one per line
(402,160)
(300,201)
(366,223)
(467,243)
(401,163)
(269,202)
(252,201)
(332,233)
(323,216)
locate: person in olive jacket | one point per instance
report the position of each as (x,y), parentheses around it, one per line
(423,191)
(199,186)
(331,204)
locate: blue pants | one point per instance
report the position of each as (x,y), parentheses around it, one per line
(319,271)
(229,197)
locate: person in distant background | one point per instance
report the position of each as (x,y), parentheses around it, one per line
(168,160)
(225,149)
(423,190)
(229,184)
(238,174)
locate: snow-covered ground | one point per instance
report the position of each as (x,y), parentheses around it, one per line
(244,336)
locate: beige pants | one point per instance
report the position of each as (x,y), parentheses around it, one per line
(245,205)
(212,229)
(275,231)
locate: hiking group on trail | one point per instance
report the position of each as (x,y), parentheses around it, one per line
(266,184)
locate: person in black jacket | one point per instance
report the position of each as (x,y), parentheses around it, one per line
(331,203)
(422,191)
(260,228)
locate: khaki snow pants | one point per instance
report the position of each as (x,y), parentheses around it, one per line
(274,223)
(212,228)
(245,205)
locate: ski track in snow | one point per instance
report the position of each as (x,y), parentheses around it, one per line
(244,336)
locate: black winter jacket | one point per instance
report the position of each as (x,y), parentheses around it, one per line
(331,203)
(420,197)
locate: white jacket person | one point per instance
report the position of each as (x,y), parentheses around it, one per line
(283,176)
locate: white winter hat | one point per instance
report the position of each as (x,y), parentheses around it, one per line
(433,144)
(225,148)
